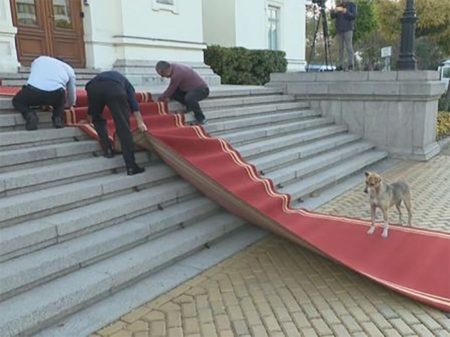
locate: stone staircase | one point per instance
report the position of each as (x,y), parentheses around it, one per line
(20,78)
(75,230)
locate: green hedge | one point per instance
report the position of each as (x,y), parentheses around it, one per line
(243,66)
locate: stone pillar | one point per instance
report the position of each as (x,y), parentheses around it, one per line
(8,53)
(396,111)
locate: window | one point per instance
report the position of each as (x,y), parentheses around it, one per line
(273,27)
(165,2)
(26,12)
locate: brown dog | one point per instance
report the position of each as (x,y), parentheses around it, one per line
(384,196)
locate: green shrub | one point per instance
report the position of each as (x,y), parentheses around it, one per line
(443,125)
(243,66)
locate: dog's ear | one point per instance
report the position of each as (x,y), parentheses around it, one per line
(367,173)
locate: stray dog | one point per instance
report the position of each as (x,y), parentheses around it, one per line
(384,196)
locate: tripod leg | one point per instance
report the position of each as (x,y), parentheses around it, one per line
(313,45)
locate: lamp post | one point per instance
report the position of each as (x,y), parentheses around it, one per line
(407,59)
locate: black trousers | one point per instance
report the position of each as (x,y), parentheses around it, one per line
(30,96)
(190,99)
(112,95)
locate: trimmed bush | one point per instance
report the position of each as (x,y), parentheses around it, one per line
(243,66)
(443,125)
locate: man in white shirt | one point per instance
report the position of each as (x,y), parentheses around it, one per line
(50,79)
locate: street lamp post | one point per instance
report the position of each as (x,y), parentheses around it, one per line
(407,59)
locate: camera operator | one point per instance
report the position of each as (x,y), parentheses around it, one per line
(344,15)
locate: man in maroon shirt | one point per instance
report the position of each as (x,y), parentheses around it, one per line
(186,87)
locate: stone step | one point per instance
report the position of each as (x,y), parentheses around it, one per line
(29,236)
(32,179)
(241,137)
(218,103)
(19,82)
(285,175)
(26,272)
(330,176)
(257,120)
(38,308)
(11,140)
(296,138)
(37,204)
(253,110)
(269,162)
(13,121)
(102,313)
(41,155)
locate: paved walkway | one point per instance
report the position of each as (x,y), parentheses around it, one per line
(275,288)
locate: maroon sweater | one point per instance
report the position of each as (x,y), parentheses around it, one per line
(184,78)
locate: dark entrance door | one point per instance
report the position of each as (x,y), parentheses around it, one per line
(49,27)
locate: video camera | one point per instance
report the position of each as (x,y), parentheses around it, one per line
(320,3)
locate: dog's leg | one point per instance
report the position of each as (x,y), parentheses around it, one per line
(386,224)
(407,201)
(372,217)
(400,222)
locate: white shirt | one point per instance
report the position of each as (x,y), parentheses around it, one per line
(50,74)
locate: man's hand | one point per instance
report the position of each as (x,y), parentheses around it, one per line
(344,10)
(142,127)
(140,122)
(89,119)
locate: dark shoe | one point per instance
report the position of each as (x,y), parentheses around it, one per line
(109,153)
(339,68)
(57,122)
(350,68)
(203,121)
(31,121)
(135,170)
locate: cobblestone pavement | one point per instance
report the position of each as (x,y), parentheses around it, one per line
(275,288)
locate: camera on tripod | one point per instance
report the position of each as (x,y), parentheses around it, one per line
(320,3)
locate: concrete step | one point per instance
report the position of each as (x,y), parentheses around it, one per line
(241,137)
(287,174)
(38,178)
(103,313)
(28,271)
(219,103)
(32,311)
(268,162)
(13,121)
(11,140)
(37,204)
(303,188)
(38,156)
(19,82)
(257,120)
(253,110)
(29,236)
(296,138)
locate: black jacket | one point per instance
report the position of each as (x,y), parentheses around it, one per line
(117,77)
(345,22)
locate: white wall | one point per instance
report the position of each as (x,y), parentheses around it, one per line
(251,24)
(294,33)
(143,30)
(219,22)
(8,53)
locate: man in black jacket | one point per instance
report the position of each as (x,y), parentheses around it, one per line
(112,89)
(344,15)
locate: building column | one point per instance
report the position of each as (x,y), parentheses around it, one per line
(8,53)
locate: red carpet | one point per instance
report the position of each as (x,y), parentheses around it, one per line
(412,261)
